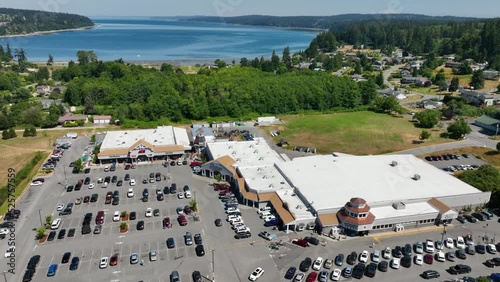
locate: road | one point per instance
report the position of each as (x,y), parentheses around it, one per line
(387,73)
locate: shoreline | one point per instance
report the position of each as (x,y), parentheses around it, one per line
(48,32)
(268,26)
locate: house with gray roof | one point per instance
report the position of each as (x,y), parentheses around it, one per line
(478,98)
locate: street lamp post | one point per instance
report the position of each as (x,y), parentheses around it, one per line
(40,215)
(213,265)
(444,231)
(5,275)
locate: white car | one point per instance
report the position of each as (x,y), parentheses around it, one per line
(10,251)
(429,246)
(103,263)
(100,180)
(269,218)
(91,185)
(440,257)
(419,260)
(188,194)
(36,183)
(153,256)
(180,195)
(4,231)
(232,217)
(299,277)
(130,193)
(335,276)
(448,243)
(318,263)
(491,249)
(256,274)
(60,207)
(460,242)
(149,212)
(386,254)
(116,216)
(232,209)
(264,209)
(363,257)
(132,182)
(395,263)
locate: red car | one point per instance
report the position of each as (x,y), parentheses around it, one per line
(221,187)
(114,260)
(166,222)
(86,199)
(428,259)
(301,242)
(127,166)
(182,220)
(312,277)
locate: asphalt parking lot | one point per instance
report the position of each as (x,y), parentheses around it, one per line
(471,160)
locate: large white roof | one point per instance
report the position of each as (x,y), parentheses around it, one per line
(387,212)
(295,205)
(328,182)
(246,153)
(263,179)
(161,136)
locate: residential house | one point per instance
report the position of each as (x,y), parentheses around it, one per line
(488,123)
(69,117)
(43,90)
(46,103)
(358,77)
(480,99)
(378,65)
(491,74)
(430,104)
(416,64)
(102,119)
(415,80)
(405,73)
(394,93)
(452,64)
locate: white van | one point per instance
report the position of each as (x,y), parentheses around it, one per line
(55,224)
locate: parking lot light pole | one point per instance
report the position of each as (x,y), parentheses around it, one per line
(5,275)
(444,231)
(213,265)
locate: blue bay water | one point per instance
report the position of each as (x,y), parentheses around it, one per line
(134,39)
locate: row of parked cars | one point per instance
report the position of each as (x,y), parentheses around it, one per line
(367,264)
(445,157)
(460,167)
(232,211)
(475,217)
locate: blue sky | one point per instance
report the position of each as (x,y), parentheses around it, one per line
(476,8)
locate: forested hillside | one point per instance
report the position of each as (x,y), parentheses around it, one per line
(145,94)
(337,22)
(15,21)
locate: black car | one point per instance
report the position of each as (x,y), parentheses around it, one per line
(160,197)
(7,224)
(170,243)
(28,275)
(112,168)
(166,190)
(33,262)
(145,192)
(119,183)
(429,274)
(133,216)
(127,177)
(86,171)
(371,269)
(86,229)
(173,189)
(74,263)
(144,181)
(52,235)
(114,179)
(383,266)
(61,234)
(460,254)
(107,179)
(94,198)
(339,260)
(470,250)
(200,250)
(87,181)
(407,250)
(305,264)
(461,219)
(69,188)
(65,258)
(359,271)
(218,222)
(406,261)
(397,252)
(243,235)
(196,276)
(158,176)
(115,201)
(351,259)
(71,232)
(140,225)
(197,239)
(459,269)
(479,216)
(312,240)
(492,262)
(290,273)
(480,249)
(470,218)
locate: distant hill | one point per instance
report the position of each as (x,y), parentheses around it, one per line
(17,22)
(327,22)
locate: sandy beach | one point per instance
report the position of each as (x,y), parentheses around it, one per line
(48,32)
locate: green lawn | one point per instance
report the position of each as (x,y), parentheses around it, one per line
(355,133)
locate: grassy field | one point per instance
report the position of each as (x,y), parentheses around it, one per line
(359,133)
(488,155)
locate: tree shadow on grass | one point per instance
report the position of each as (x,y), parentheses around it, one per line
(492,153)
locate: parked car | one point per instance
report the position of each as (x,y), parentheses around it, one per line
(459,269)
(430,274)
(305,264)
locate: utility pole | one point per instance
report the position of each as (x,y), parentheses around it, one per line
(40,215)
(444,231)
(213,265)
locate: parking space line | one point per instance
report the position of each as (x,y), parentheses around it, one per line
(90,260)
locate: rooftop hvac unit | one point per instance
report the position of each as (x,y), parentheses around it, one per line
(416,177)
(125,132)
(261,159)
(394,163)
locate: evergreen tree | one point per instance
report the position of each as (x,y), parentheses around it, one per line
(477,80)
(286,59)
(8,53)
(357,68)
(454,84)
(244,62)
(50,61)
(275,61)
(43,73)
(380,79)
(2,53)
(5,134)
(12,133)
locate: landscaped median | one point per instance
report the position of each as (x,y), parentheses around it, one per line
(22,179)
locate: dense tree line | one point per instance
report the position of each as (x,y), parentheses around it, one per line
(16,21)
(144,94)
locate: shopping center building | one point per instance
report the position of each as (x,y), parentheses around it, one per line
(144,145)
(339,192)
